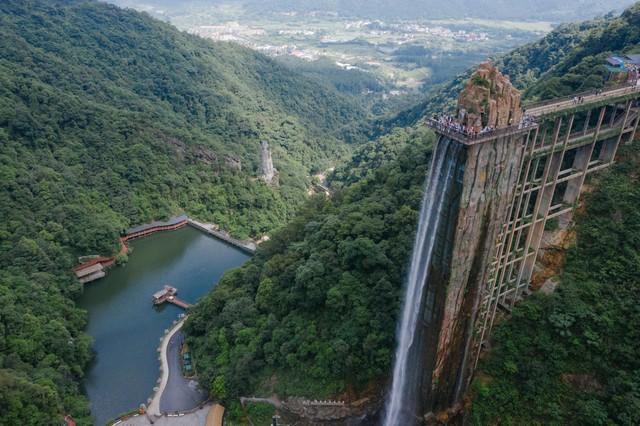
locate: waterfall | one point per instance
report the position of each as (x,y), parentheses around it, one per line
(401,403)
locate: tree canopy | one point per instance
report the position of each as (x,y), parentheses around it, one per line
(109,118)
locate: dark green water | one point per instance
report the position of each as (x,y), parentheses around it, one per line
(123,322)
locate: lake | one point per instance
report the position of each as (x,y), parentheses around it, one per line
(125,325)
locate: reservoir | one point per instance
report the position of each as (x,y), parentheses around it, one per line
(127,328)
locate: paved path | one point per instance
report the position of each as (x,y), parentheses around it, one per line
(197,418)
(154,405)
(569,103)
(180,394)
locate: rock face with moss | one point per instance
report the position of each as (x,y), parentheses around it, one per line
(269,173)
(489,100)
(476,210)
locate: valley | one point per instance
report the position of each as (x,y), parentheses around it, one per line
(434,239)
(398,56)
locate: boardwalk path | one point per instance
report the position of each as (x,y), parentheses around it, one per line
(546,108)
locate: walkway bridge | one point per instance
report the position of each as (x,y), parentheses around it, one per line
(510,183)
(168,295)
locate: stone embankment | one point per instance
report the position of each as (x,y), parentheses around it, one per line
(316,412)
(246,246)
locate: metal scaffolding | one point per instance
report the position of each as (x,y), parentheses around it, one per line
(570,142)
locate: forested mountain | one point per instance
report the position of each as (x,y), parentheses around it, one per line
(323,295)
(313,313)
(109,118)
(568,59)
(572,358)
(553,10)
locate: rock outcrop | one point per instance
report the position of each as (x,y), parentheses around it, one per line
(475,208)
(234,163)
(489,100)
(269,173)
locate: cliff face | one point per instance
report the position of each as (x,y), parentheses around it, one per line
(475,211)
(489,100)
(460,270)
(269,173)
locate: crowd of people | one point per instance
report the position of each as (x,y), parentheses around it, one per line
(451,124)
(580,99)
(527,121)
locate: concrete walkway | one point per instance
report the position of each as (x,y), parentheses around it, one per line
(175,393)
(536,111)
(197,418)
(180,394)
(209,415)
(154,406)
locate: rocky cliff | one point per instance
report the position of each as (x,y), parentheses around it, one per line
(269,173)
(489,100)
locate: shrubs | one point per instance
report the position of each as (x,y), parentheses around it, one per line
(571,358)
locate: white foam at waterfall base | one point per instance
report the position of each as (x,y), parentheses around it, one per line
(400,408)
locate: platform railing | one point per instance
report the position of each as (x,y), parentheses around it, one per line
(472,139)
(592,92)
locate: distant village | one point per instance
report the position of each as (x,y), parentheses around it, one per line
(394,33)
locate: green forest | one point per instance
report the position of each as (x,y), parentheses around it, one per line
(576,363)
(321,296)
(307,308)
(109,118)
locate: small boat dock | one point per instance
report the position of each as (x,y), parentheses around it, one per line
(168,294)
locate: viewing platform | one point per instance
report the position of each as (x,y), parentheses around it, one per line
(168,294)
(536,112)
(468,138)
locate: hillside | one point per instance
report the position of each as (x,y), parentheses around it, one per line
(320,297)
(572,358)
(571,58)
(180,96)
(107,119)
(313,315)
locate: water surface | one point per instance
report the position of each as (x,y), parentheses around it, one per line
(125,325)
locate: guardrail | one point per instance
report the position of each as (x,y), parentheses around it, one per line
(592,92)
(468,139)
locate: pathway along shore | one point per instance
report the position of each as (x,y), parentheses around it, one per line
(199,414)
(175,394)
(246,246)
(154,406)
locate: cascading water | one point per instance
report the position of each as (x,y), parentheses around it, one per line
(401,402)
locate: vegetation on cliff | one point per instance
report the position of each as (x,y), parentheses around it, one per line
(567,60)
(572,357)
(306,309)
(313,313)
(109,118)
